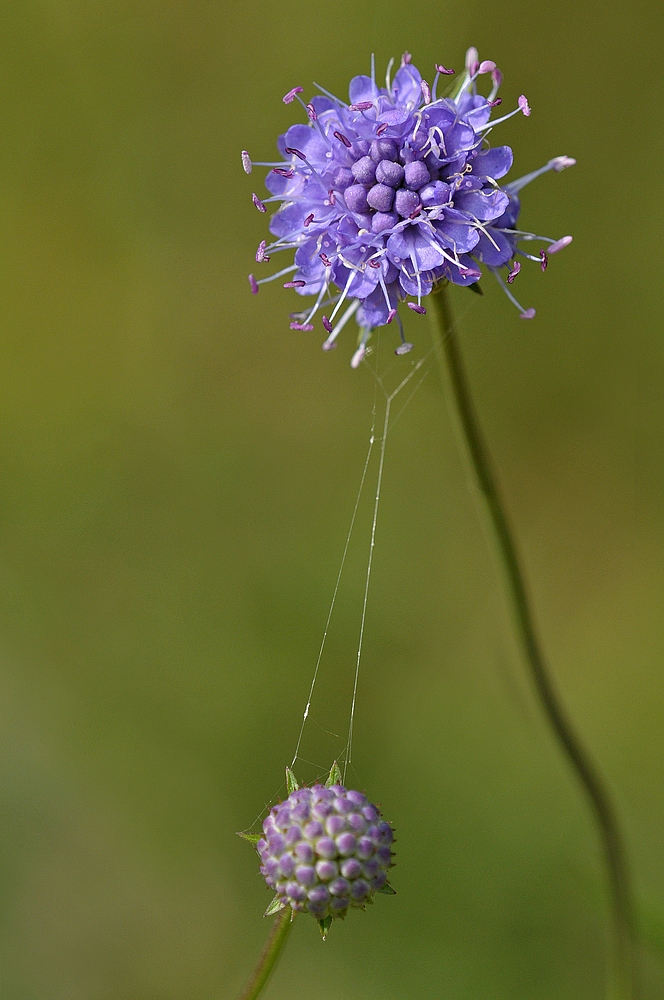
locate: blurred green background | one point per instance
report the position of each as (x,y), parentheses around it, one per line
(178,471)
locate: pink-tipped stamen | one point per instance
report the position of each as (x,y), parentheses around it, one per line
(326,324)
(295,152)
(528,313)
(516,267)
(362,106)
(290,96)
(261,256)
(560,244)
(311,111)
(301,326)
(258,203)
(390,316)
(403,348)
(524,106)
(544,257)
(343,138)
(294,284)
(426,91)
(382,128)
(444,72)
(246,162)
(309,219)
(254,285)
(283,173)
(416,308)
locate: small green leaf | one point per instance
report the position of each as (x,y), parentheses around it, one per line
(324,926)
(276,906)
(335,777)
(291,781)
(388,890)
(251,838)
(475,287)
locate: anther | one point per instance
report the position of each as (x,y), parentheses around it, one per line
(311,111)
(473,67)
(343,138)
(254,285)
(356,360)
(261,256)
(524,106)
(486,66)
(246,162)
(327,324)
(333,198)
(381,128)
(496,103)
(426,91)
(362,106)
(405,59)
(326,260)
(497,78)
(295,152)
(441,69)
(403,348)
(562,162)
(282,172)
(516,267)
(544,258)
(290,96)
(414,215)
(374,263)
(560,244)
(294,284)
(258,203)
(329,345)
(528,314)
(417,308)
(301,326)
(309,219)
(391,314)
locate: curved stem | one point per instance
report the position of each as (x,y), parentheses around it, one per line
(269,955)
(622,972)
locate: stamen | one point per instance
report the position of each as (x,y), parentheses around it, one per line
(382,128)
(362,106)
(282,172)
(426,92)
(516,267)
(327,324)
(258,203)
(417,211)
(445,72)
(290,96)
(562,163)
(309,219)
(294,284)
(495,104)
(301,326)
(311,111)
(343,138)
(524,106)
(403,348)
(405,59)
(295,152)
(246,162)
(254,285)
(416,308)
(333,198)
(390,316)
(486,66)
(525,313)
(326,260)
(374,263)
(528,314)
(560,244)
(545,259)
(261,256)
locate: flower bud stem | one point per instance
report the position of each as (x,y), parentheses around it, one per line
(270,954)
(622,969)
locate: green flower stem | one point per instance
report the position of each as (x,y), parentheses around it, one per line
(622,971)
(270,955)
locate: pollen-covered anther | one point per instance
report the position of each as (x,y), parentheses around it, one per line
(261,256)
(560,244)
(524,106)
(246,162)
(416,308)
(402,349)
(444,72)
(486,66)
(258,203)
(254,285)
(426,91)
(528,313)
(562,163)
(362,106)
(301,326)
(516,267)
(544,258)
(311,111)
(294,284)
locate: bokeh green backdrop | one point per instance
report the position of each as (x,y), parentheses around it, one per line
(178,471)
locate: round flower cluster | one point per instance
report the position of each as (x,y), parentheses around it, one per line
(385,195)
(325,850)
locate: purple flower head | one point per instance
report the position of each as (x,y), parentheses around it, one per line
(398,189)
(324,850)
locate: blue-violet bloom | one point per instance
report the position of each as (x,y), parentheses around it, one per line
(398,189)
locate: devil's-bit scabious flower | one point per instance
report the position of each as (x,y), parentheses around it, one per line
(385,195)
(324,850)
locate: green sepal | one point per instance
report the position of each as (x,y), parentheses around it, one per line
(475,287)
(276,906)
(387,890)
(251,838)
(324,926)
(335,777)
(291,781)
